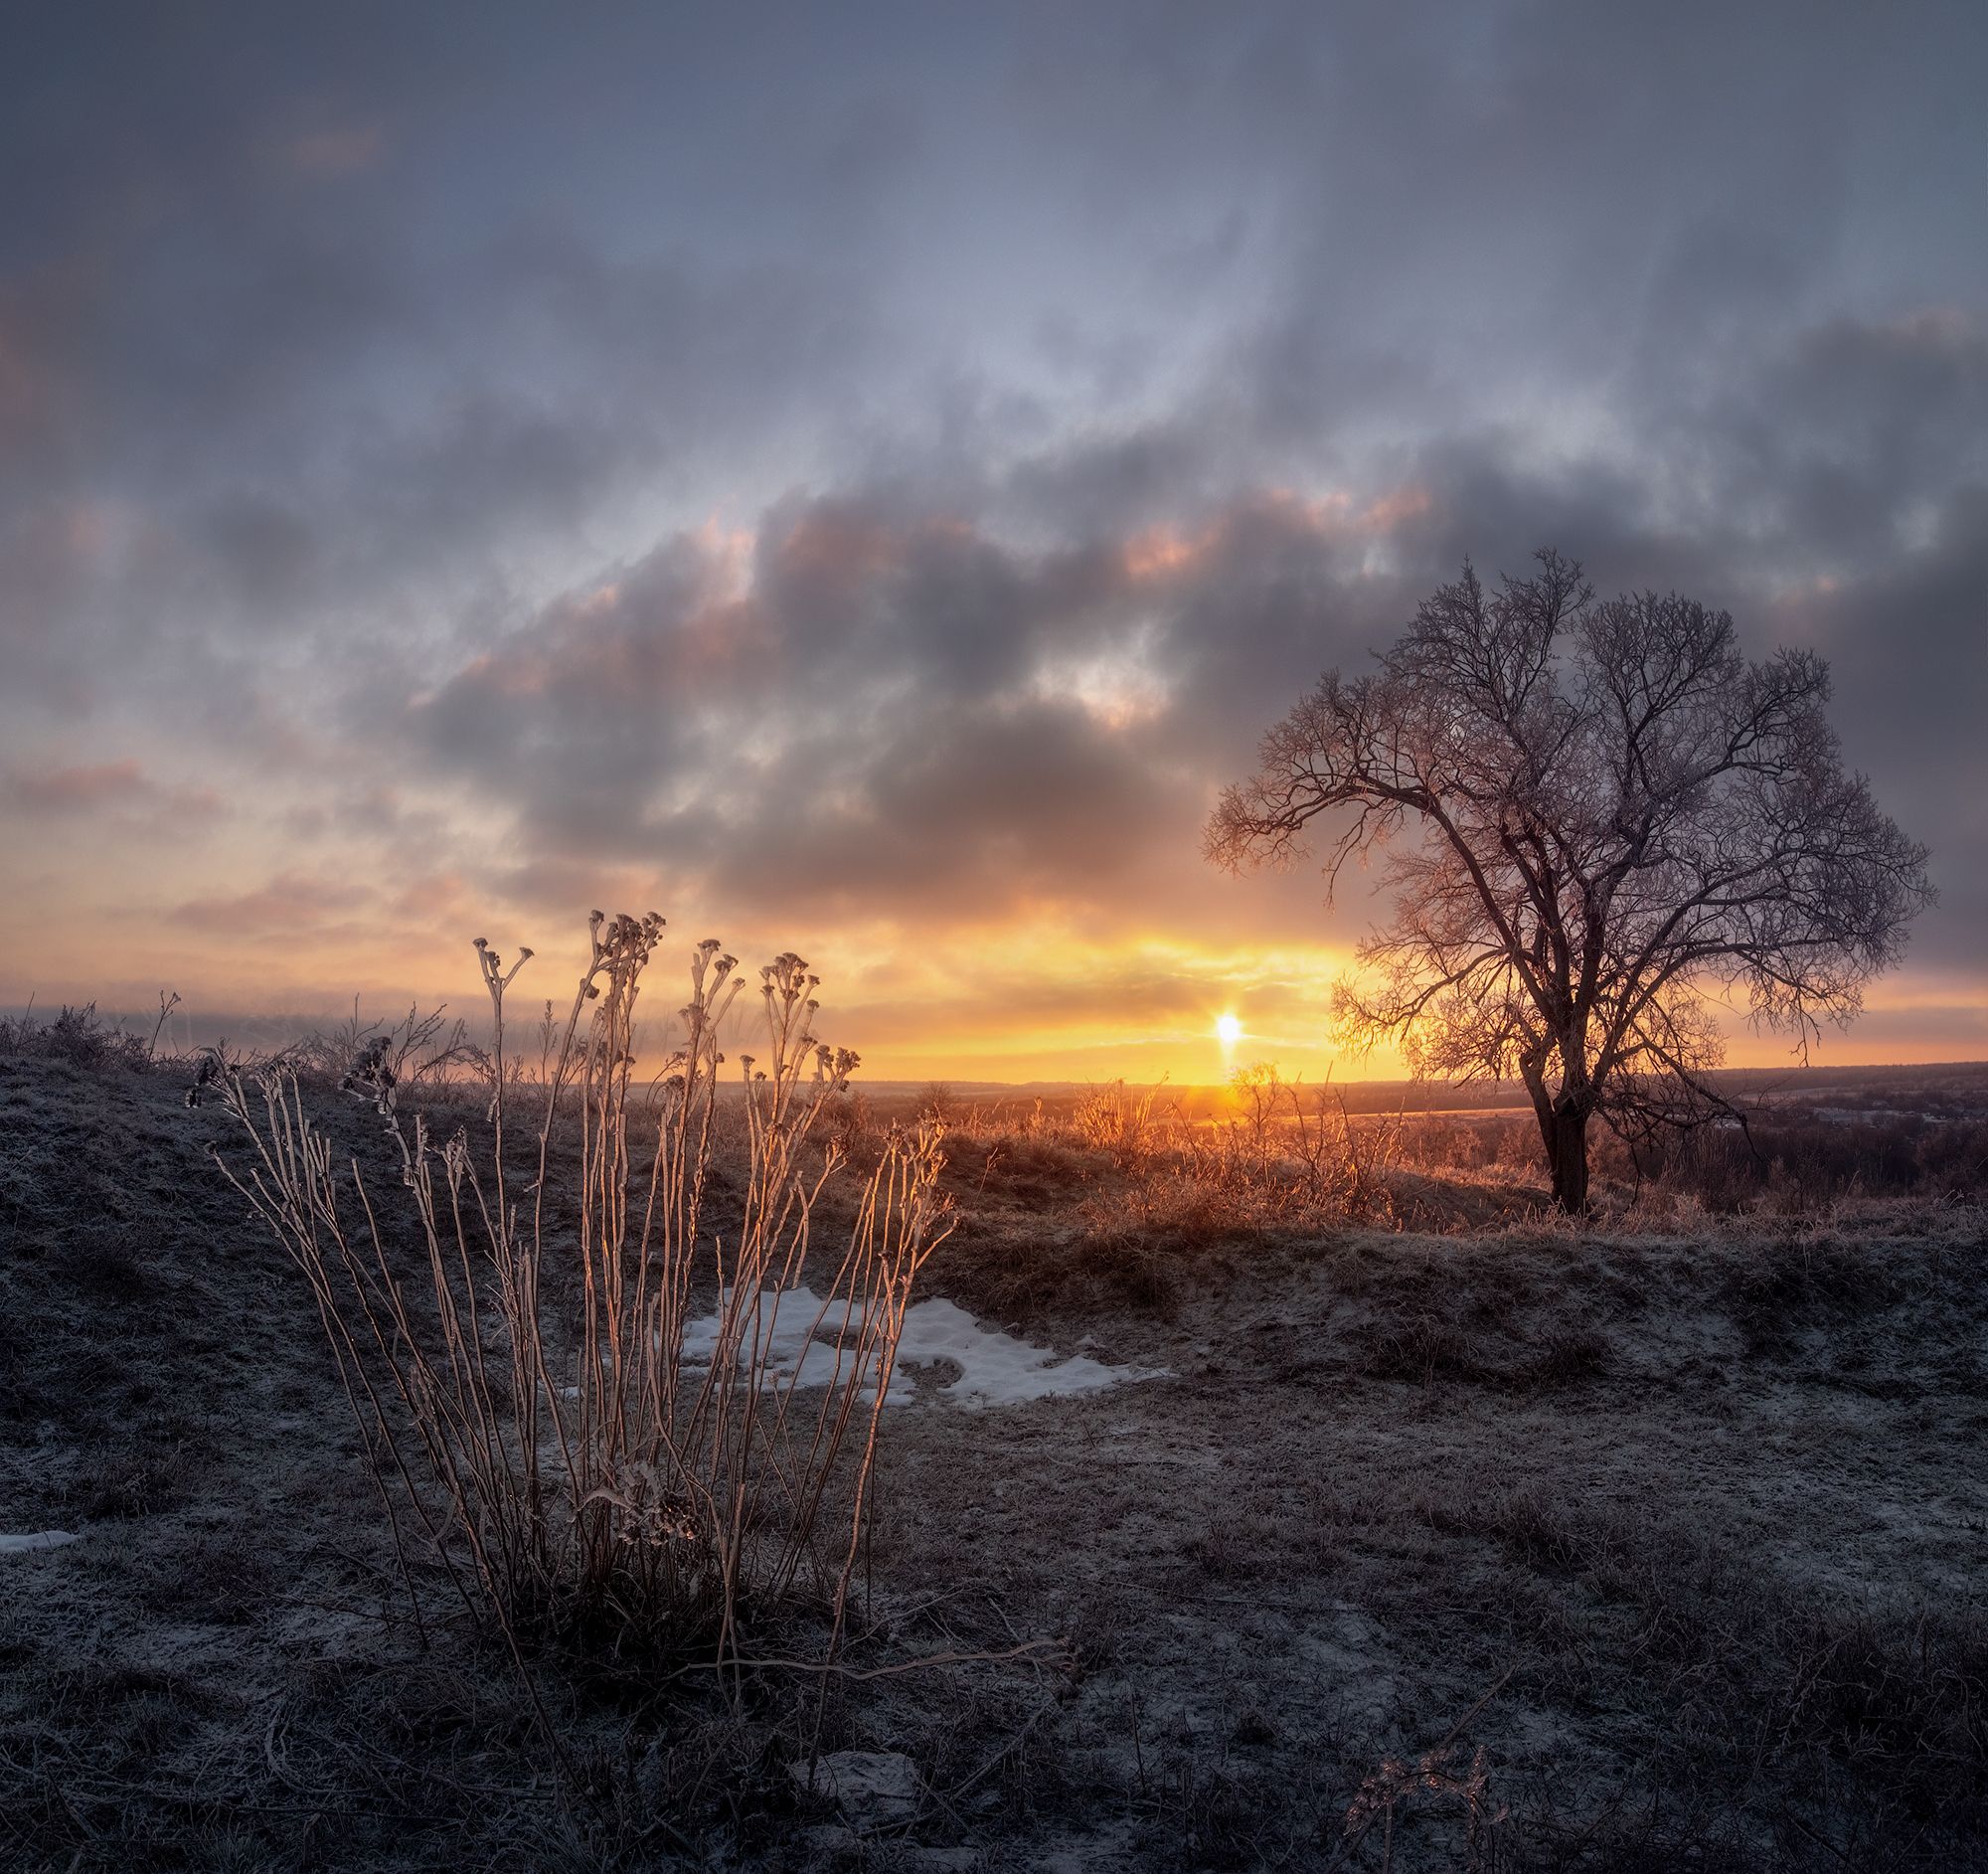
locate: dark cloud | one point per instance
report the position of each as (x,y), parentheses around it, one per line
(1907,643)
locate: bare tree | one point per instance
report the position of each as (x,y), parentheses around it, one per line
(1598,817)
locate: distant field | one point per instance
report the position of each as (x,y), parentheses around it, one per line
(1945,1088)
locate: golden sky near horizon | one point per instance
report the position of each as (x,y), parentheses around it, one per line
(1033,999)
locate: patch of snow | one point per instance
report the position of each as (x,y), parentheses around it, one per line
(780,1325)
(995,1368)
(41,1539)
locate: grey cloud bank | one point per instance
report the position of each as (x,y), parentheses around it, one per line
(892,462)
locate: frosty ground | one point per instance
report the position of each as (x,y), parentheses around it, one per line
(1654,1546)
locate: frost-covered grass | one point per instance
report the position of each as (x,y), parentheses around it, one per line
(1696,1499)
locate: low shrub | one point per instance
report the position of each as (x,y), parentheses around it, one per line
(608,1478)
(78,1035)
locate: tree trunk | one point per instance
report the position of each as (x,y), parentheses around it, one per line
(1567,1154)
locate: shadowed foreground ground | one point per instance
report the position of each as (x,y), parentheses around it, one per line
(1687,1537)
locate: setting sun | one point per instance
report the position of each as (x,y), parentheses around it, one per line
(1228,1030)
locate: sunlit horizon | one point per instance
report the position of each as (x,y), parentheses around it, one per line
(1071,1035)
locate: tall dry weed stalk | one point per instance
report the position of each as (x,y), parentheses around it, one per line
(577,1464)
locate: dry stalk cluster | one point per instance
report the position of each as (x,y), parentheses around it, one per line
(1435,1773)
(1301,1146)
(514,1345)
(1117,1119)
(1288,1147)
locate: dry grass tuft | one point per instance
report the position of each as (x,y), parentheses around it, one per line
(604,1478)
(77,1035)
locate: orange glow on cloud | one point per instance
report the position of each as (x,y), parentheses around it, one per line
(1166,553)
(1160,552)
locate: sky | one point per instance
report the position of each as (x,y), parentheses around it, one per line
(860,480)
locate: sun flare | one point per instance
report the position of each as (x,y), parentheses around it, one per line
(1228,1030)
